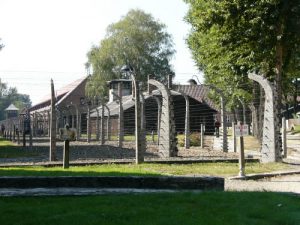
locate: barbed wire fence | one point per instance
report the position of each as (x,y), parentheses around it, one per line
(91,128)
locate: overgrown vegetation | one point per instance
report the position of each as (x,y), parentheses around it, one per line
(207,208)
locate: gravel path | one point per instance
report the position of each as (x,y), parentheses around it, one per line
(290,183)
(94,152)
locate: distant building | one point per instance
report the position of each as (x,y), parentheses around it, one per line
(11,111)
(202,110)
(68,98)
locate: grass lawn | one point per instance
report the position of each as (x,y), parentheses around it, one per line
(9,150)
(296,129)
(207,208)
(145,169)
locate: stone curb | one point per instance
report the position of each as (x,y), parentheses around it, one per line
(139,182)
(11,192)
(264,175)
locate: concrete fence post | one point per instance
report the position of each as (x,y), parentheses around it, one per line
(202,135)
(284,144)
(167,142)
(270,148)
(233,137)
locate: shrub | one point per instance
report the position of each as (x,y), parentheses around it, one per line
(194,139)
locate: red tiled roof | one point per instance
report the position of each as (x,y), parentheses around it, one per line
(60,92)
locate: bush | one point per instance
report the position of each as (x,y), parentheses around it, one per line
(194,139)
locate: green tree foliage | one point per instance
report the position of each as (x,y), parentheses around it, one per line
(137,40)
(230,38)
(10,95)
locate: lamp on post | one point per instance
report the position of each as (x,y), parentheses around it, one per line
(223,114)
(128,70)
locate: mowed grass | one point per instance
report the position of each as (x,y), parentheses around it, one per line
(207,208)
(10,150)
(296,129)
(145,169)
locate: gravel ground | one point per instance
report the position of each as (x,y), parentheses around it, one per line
(289,183)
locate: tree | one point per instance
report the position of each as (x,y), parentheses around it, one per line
(138,40)
(10,95)
(230,38)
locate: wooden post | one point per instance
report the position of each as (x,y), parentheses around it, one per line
(152,136)
(139,157)
(48,118)
(102,137)
(223,122)
(30,138)
(233,137)
(24,139)
(52,153)
(78,123)
(88,125)
(66,154)
(97,125)
(143,126)
(108,130)
(14,133)
(121,117)
(202,136)
(186,121)
(18,135)
(241,158)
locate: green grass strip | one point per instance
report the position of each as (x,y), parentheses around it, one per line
(207,208)
(145,169)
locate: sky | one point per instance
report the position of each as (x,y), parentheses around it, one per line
(47,39)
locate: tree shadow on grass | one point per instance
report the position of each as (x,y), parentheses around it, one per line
(16,152)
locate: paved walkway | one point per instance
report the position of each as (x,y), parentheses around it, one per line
(9,192)
(289,183)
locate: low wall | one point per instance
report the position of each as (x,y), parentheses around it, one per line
(176,182)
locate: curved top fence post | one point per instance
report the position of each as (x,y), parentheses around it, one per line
(270,141)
